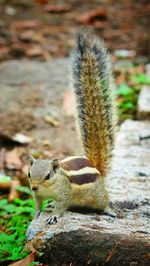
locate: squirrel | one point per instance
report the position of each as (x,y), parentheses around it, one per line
(80,180)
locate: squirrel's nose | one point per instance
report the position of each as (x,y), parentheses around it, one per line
(34,188)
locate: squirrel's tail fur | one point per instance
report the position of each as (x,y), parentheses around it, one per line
(92,81)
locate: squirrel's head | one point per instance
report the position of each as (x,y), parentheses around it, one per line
(42,173)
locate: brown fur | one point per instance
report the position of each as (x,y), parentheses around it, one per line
(75,164)
(83,179)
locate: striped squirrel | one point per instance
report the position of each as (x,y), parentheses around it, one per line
(80,180)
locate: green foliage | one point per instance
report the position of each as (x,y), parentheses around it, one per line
(45,203)
(5,178)
(34,263)
(140,79)
(127,100)
(127,95)
(24,189)
(14,220)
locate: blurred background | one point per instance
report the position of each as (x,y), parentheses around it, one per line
(45,29)
(36,101)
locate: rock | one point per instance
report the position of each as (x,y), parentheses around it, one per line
(129,179)
(125,53)
(148,69)
(9,10)
(122,65)
(22,139)
(144,103)
(92,239)
(82,240)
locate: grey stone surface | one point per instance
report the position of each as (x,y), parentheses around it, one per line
(130,175)
(144,103)
(148,70)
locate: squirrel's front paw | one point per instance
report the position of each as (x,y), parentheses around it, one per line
(50,207)
(52,220)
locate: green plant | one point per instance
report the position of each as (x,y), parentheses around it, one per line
(127,94)
(140,79)
(126,100)
(14,220)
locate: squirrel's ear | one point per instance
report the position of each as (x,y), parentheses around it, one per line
(31,159)
(55,164)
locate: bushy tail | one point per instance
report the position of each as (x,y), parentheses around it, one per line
(92,81)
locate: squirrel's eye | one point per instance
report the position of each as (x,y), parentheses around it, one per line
(29,175)
(47,176)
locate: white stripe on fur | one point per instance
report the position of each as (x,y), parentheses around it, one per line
(70,158)
(84,170)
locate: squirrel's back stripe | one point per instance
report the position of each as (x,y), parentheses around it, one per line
(79,170)
(75,163)
(83,179)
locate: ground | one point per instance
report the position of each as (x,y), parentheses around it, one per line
(33,30)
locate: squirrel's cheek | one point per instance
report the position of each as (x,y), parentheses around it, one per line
(46,183)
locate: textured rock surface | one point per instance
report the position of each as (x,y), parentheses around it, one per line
(144,103)
(93,239)
(130,178)
(148,69)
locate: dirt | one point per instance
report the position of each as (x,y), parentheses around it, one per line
(30,92)
(14,123)
(45,31)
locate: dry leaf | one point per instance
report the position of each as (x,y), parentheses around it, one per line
(100,24)
(27,35)
(90,16)
(22,139)
(5,185)
(11,186)
(26,24)
(2,158)
(41,2)
(12,161)
(25,169)
(57,9)
(25,262)
(46,143)
(14,194)
(35,50)
(4,53)
(49,119)
(17,50)
(69,103)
